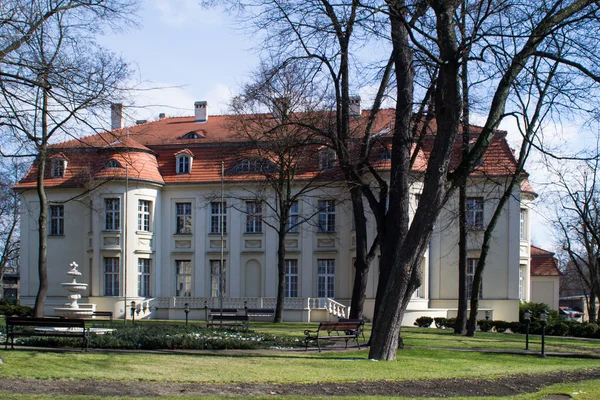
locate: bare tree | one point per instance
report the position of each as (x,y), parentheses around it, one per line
(52,84)
(578,226)
(10,172)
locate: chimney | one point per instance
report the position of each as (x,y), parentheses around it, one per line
(354,106)
(201,109)
(281,107)
(116,116)
(162,116)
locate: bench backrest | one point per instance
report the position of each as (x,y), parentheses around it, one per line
(260,311)
(53,322)
(230,318)
(339,326)
(223,310)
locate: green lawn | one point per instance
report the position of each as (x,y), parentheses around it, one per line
(298,366)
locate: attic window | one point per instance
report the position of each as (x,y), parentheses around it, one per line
(326,159)
(191,135)
(385,155)
(113,164)
(184,163)
(255,165)
(59,165)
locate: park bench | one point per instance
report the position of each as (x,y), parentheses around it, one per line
(225,317)
(262,313)
(331,331)
(103,314)
(361,326)
(60,327)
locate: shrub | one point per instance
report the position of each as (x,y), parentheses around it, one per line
(423,322)
(440,322)
(516,327)
(536,309)
(450,323)
(485,325)
(14,309)
(501,326)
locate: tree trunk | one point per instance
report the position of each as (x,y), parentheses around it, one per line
(461,316)
(40,299)
(361,264)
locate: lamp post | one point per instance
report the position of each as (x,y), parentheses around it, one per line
(544,321)
(186,309)
(133,313)
(527,317)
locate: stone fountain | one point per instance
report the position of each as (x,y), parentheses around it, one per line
(75,289)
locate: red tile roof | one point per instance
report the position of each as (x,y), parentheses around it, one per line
(149,149)
(543,263)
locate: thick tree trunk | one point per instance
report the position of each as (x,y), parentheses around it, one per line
(461,316)
(361,264)
(40,299)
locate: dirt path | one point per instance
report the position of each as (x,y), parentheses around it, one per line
(505,386)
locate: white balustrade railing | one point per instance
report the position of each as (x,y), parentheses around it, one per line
(296,303)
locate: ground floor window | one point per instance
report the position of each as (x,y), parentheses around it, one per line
(522,282)
(471,266)
(326,278)
(183,278)
(291,278)
(111,276)
(144,277)
(217,279)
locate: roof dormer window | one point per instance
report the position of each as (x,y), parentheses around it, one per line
(254,166)
(113,164)
(58,167)
(192,135)
(326,159)
(183,161)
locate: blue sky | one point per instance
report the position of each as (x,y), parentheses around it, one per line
(185,53)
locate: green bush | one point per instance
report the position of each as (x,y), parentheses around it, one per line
(14,309)
(166,336)
(536,309)
(516,327)
(423,322)
(485,325)
(440,322)
(501,326)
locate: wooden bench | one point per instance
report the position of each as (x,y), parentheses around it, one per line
(361,327)
(334,331)
(26,326)
(104,314)
(225,317)
(267,313)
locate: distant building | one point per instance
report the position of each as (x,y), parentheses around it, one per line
(545,277)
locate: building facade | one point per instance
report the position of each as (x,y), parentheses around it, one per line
(149,216)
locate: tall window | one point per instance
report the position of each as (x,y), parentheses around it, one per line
(522,282)
(144,277)
(253,217)
(111,276)
(183,216)
(218,217)
(112,211)
(523,224)
(326,215)
(144,209)
(475,213)
(183,165)
(183,278)
(291,278)
(292,222)
(58,168)
(217,279)
(57,220)
(471,266)
(326,278)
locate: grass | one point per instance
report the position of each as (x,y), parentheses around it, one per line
(424,359)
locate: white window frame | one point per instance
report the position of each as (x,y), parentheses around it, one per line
(111,276)
(218,217)
(522,282)
(326,277)
(184,164)
(112,217)
(471,267)
(292,225)
(58,168)
(523,224)
(474,217)
(183,278)
(326,210)
(183,218)
(253,217)
(144,277)
(144,215)
(57,220)
(291,278)
(216,284)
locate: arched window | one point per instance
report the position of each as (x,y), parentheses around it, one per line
(113,164)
